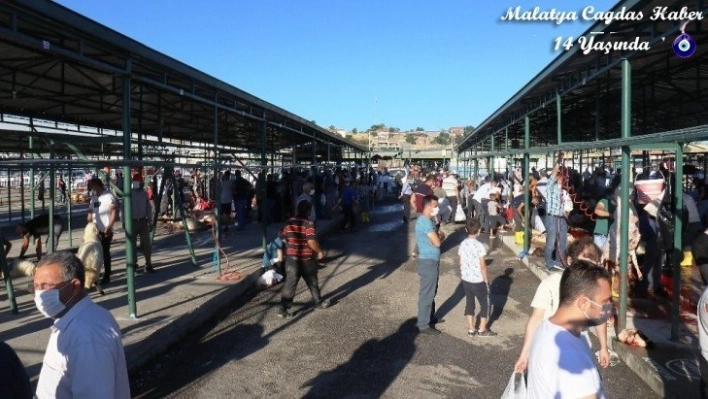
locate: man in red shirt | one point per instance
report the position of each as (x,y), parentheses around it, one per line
(421,191)
(301,246)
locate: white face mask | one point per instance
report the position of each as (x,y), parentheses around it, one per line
(48,302)
(312,192)
(435,211)
(136,185)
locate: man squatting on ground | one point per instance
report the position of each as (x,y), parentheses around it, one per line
(36,228)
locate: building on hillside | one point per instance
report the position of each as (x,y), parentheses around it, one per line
(456,131)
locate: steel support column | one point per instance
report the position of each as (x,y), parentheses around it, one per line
(31,176)
(527,185)
(216,257)
(624,191)
(559,120)
(51,247)
(264,182)
(127,197)
(490,163)
(676,257)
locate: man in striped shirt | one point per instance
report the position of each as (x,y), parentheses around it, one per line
(301,246)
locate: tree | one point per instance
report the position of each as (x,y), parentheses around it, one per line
(393,130)
(442,139)
(349,137)
(332,128)
(377,127)
(411,139)
(419,129)
(355,131)
(468,130)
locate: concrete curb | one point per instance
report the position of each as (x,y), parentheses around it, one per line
(139,353)
(142,351)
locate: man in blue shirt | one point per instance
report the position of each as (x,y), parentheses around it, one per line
(347,202)
(556,224)
(428,240)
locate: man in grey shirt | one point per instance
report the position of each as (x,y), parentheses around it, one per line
(142,222)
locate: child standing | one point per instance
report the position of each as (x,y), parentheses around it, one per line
(494,219)
(475,280)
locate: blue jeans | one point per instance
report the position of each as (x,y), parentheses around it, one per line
(428,270)
(241,213)
(556,227)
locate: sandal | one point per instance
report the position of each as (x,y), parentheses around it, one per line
(487,333)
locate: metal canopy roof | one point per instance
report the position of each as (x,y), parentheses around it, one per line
(58,65)
(668,93)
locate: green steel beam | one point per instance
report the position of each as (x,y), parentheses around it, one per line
(697,133)
(127,198)
(264,182)
(559,120)
(624,191)
(527,185)
(677,255)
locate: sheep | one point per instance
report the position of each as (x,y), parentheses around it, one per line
(91,255)
(20,268)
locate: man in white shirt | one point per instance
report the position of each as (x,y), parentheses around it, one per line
(482,193)
(546,300)
(542,183)
(561,364)
(104,212)
(452,191)
(85,356)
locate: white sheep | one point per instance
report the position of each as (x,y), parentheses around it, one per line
(91,255)
(20,268)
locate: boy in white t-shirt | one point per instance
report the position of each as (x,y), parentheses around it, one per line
(475,281)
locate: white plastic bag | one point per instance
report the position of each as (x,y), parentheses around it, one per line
(269,278)
(460,214)
(516,388)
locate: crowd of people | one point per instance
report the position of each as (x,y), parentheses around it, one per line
(582,275)
(556,352)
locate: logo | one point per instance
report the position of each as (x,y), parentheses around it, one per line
(684,46)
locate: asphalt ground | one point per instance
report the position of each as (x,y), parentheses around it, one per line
(366,344)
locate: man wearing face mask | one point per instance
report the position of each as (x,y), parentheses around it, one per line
(561,363)
(84,356)
(103,210)
(142,222)
(428,241)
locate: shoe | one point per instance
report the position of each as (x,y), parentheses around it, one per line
(436,321)
(149,269)
(284,313)
(555,266)
(487,333)
(430,331)
(471,333)
(105,281)
(324,304)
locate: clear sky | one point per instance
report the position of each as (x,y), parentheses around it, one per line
(354,63)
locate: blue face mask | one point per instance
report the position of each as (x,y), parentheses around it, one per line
(605,313)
